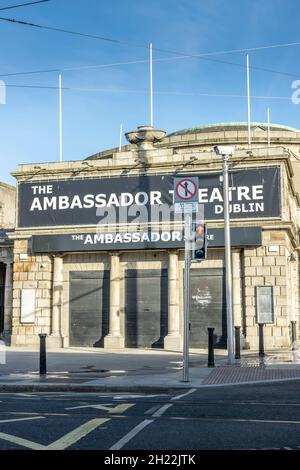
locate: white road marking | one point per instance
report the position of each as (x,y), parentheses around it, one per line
(123,397)
(26,398)
(161,410)
(30,395)
(20,419)
(103,405)
(152,409)
(184,394)
(274,421)
(118,445)
(110,409)
(39,414)
(242,420)
(261,403)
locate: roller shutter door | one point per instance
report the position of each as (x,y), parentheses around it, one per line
(207,307)
(146,309)
(89,307)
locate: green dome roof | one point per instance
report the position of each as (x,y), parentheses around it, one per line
(232,126)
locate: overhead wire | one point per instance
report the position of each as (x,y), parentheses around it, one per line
(23,5)
(131,62)
(179,55)
(112,90)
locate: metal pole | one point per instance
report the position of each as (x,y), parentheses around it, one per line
(120,137)
(228,261)
(43,361)
(248,103)
(151,88)
(237,330)
(294,336)
(211,356)
(261,340)
(269,140)
(187,263)
(60,119)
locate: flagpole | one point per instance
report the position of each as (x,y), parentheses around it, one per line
(269,140)
(60,119)
(248,103)
(120,137)
(151,88)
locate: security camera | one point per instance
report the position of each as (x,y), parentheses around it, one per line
(224,150)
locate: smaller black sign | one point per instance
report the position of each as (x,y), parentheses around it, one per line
(247,236)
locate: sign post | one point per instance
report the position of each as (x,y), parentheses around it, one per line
(186,200)
(187,265)
(226,151)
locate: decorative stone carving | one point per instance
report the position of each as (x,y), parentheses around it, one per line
(145,136)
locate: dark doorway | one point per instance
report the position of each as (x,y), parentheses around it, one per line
(89,307)
(207,307)
(2,290)
(146,309)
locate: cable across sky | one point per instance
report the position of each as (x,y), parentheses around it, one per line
(23,5)
(179,55)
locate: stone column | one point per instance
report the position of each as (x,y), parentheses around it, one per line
(8,301)
(114,340)
(173,341)
(236,292)
(236,288)
(55,339)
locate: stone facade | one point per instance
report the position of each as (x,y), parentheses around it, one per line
(273,263)
(7,223)
(7,206)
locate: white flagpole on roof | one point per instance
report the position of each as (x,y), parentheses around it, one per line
(248,103)
(269,140)
(151,88)
(60,119)
(120,137)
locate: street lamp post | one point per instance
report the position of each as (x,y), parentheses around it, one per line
(226,152)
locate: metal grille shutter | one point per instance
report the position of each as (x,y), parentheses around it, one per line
(207,307)
(146,309)
(89,307)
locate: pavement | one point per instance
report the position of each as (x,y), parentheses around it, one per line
(95,370)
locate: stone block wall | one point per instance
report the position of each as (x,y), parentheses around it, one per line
(269,265)
(33,272)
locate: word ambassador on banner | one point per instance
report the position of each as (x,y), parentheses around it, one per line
(253,193)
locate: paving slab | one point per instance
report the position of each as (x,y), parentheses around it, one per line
(84,369)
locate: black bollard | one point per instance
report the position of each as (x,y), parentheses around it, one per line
(261,340)
(294,335)
(237,330)
(43,362)
(211,357)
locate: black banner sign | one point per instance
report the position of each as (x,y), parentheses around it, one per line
(248,236)
(254,193)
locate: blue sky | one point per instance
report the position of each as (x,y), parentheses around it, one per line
(91,119)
